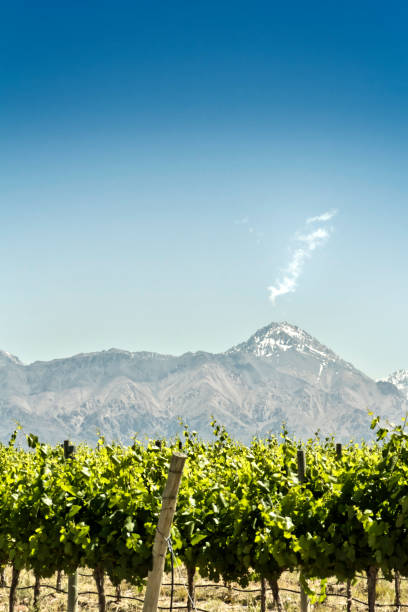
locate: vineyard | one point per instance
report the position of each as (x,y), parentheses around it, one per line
(244,513)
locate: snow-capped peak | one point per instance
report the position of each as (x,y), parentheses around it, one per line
(7,358)
(278,337)
(399,379)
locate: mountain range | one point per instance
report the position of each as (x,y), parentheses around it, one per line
(281,374)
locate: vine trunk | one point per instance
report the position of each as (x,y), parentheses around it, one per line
(100,586)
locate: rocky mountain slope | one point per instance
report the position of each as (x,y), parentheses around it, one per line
(280,374)
(399,379)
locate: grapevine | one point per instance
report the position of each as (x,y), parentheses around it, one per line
(242,513)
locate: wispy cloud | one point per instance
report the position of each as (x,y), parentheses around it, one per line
(306,244)
(322,218)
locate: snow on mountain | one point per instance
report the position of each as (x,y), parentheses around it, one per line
(7,359)
(399,379)
(286,343)
(278,337)
(280,374)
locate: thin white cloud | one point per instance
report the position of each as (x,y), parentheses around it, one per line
(314,239)
(307,243)
(322,218)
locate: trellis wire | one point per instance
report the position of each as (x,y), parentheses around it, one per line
(173,584)
(171,551)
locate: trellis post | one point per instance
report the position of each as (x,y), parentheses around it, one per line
(168,508)
(301,461)
(72,603)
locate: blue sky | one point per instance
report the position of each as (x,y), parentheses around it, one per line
(159,162)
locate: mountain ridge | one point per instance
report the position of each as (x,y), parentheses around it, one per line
(281,373)
(399,379)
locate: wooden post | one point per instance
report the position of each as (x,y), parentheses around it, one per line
(263,594)
(301,461)
(371,586)
(59,580)
(168,508)
(190,588)
(72,604)
(339,452)
(397,584)
(72,593)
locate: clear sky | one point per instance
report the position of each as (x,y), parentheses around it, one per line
(159,162)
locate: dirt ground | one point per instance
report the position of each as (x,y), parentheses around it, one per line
(208,598)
